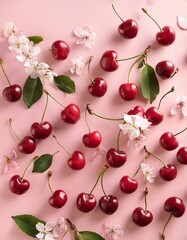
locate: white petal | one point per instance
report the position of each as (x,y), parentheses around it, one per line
(40,235)
(79,32)
(12,155)
(182,22)
(49,236)
(40,227)
(184,111)
(50,225)
(21,58)
(175,110)
(128,118)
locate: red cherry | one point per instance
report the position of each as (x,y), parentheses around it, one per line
(77,160)
(168,172)
(182,155)
(60,50)
(137,110)
(128,29)
(128,184)
(98,87)
(12,93)
(86,202)
(92,139)
(71,114)
(108,61)
(27,145)
(154,115)
(128,91)
(58,199)
(108,204)
(41,130)
(18,185)
(175,205)
(142,217)
(166,37)
(168,141)
(116,158)
(165,69)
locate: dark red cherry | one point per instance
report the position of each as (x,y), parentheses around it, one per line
(166,37)
(128,91)
(41,130)
(175,205)
(60,50)
(116,158)
(58,199)
(18,185)
(182,155)
(137,110)
(108,204)
(128,185)
(165,69)
(77,160)
(92,139)
(86,202)
(71,114)
(12,93)
(142,217)
(154,115)
(168,141)
(27,145)
(108,61)
(168,172)
(128,29)
(98,87)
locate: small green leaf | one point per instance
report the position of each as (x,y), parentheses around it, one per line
(35,39)
(32,91)
(42,163)
(149,84)
(65,84)
(27,223)
(87,235)
(141,64)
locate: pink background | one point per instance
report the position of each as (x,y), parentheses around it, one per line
(56,20)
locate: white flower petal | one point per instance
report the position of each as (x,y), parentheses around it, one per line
(40,235)
(49,236)
(50,225)
(184,111)
(9,29)
(40,227)
(12,155)
(175,110)
(182,22)
(128,118)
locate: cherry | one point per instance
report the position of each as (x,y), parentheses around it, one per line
(128,185)
(176,207)
(98,86)
(86,202)
(182,155)
(168,172)
(166,69)
(116,158)
(18,185)
(108,204)
(58,198)
(127,29)
(128,91)
(60,50)
(141,216)
(108,61)
(71,113)
(27,145)
(166,36)
(137,110)
(92,139)
(168,141)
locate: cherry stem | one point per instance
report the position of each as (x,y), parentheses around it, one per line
(126,59)
(100,176)
(48,180)
(89,73)
(146,150)
(180,132)
(118,138)
(65,233)
(176,71)
(10,122)
(85,116)
(1,63)
(145,196)
(163,231)
(61,147)
(45,91)
(33,159)
(130,70)
(171,90)
(145,158)
(145,11)
(72,226)
(45,108)
(97,115)
(117,13)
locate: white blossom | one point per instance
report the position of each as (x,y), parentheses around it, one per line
(180,106)
(77,65)
(8,162)
(9,29)
(112,232)
(149,172)
(85,36)
(45,231)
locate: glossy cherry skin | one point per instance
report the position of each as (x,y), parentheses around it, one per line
(168,141)
(98,87)
(27,145)
(166,37)
(86,202)
(12,93)
(116,158)
(168,173)
(41,130)
(71,114)
(77,160)
(175,205)
(128,185)
(128,29)
(108,204)
(142,217)
(182,155)
(154,115)
(18,185)
(108,61)
(128,91)
(137,110)
(92,139)
(60,50)
(58,199)
(165,69)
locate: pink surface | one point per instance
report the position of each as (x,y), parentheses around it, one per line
(57,20)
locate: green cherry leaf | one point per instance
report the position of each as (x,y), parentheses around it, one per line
(149,84)
(27,223)
(35,39)
(42,163)
(141,64)
(87,235)
(65,84)
(32,91)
